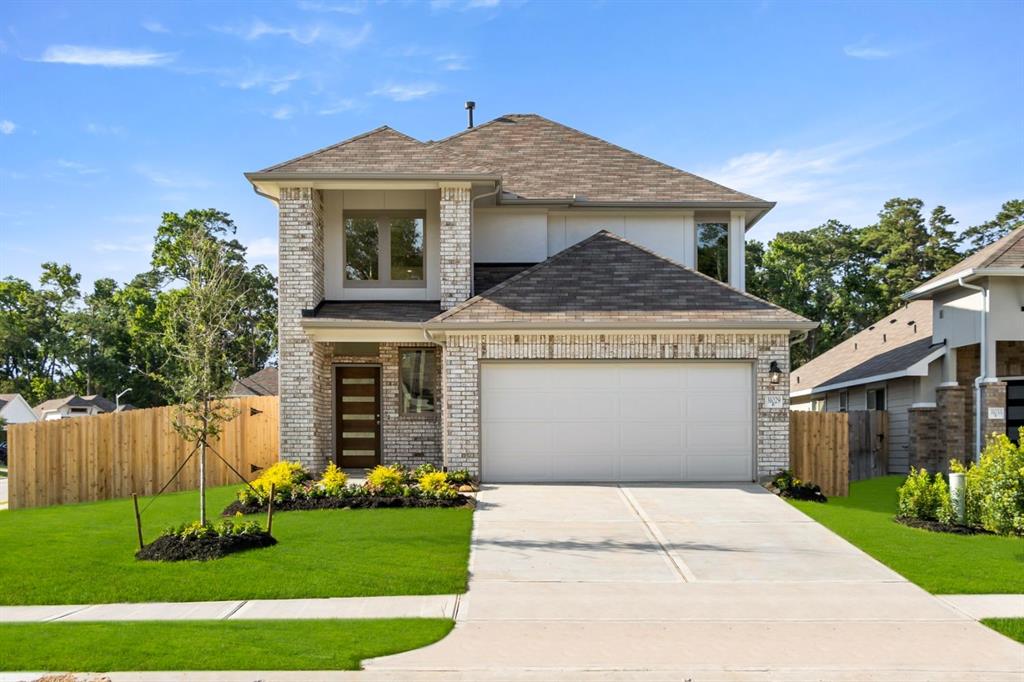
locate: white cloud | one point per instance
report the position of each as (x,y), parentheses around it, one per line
(76,167)
(346,39)
(155,26)
(262,248)
(339,106)
(452,61)
(282,113)
(7,127)
(274,84)
(126,244)
(357,7)
(163,178)
(405,92)
(99,56)
(867,49)
(101,129)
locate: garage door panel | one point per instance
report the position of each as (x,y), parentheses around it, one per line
(652,468)
(593,406)
(649,406)
(616,421)
(585,467)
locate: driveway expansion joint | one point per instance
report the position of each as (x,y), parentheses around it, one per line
(678,565)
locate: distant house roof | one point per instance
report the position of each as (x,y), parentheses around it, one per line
(263,382)
(6,398)
(95,400)
(1005,256)
(893,346)
(606,280)
(534,158)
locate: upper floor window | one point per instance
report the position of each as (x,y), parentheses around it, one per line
(384,249)
(713,250)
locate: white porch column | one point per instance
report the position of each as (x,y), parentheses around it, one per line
(689,240)
(949,367)
(737,246)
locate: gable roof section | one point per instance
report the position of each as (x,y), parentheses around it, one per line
(605,281)
(893,345)
(1004,254)
(263,382)
(535,159)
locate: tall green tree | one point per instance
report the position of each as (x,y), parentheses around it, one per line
(1009,218)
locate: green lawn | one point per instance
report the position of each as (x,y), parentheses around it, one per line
(211,645)
(1011,627)
(939,562)
(82,554)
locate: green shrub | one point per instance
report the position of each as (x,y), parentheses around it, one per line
(995,488)
(789,485)
(333,481)
(460,477)
(284,476)
(424,469)
(435,484)
(925,497)
(386,480)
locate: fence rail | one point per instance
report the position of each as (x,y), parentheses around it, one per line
(819,450)
(114,455)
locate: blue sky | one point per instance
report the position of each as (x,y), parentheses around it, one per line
(113,113)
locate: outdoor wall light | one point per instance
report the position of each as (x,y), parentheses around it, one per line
(774,373)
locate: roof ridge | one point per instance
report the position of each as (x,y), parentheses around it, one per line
(515,278)
(378,129)
(479,127)
(616,146)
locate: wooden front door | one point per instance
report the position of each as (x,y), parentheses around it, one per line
(357,409)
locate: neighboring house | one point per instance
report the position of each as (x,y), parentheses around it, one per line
(891,365)
(521,300)
(961,334)
(263,382)
(76,406)
(15,410)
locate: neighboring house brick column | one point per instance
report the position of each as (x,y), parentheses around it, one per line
(305,366)
(923,438)
(456,248)
(993,409)
(949,400)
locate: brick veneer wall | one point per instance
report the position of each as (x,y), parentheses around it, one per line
(305,366)
(463,353)
(949,421)
(1009,363)
(408,439)
(924,438)
(455,247)
(993,394)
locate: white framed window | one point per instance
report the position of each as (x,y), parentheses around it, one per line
(844,401)
(876,398)
(417,374)
(385,249)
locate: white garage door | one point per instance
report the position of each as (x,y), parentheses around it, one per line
(617,421)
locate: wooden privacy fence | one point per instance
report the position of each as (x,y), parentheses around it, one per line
(869,444)
(114,455)
(819,450)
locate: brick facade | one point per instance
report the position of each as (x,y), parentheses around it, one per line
(951,438)
(456,246)
(993,396)
(305,366)
(924,438)
(464,352)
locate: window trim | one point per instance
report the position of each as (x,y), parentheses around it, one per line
(844,400)
(434,408)
(383,250)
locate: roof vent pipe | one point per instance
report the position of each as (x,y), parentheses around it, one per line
(470,106)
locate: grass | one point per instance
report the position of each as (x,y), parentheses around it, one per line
(211,645)
(1011,627)
(941,563)
(84,554)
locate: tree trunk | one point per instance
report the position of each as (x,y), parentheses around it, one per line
(202,464)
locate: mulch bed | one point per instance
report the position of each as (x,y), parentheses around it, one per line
(369,502)
(798,493)
(174,548)
(937,527)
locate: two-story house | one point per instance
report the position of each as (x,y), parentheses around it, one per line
(523,300)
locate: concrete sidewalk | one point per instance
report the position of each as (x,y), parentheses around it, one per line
(431,606)
(979,606)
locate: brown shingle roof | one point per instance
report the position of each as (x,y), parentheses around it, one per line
(378,311)
(263,382)
(606,279)
(893,344)
(536,158)
(1007,252)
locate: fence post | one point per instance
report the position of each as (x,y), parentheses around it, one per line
(138,519)
(270,510)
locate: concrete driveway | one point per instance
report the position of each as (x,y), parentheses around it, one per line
(701,582)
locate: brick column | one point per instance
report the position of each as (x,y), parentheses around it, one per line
(993,402)
(950,402)
(923,450)
(304,375)
(456,251)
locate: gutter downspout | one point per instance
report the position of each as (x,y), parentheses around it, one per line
(983,358)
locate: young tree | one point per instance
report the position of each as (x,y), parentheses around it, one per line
(203,319)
